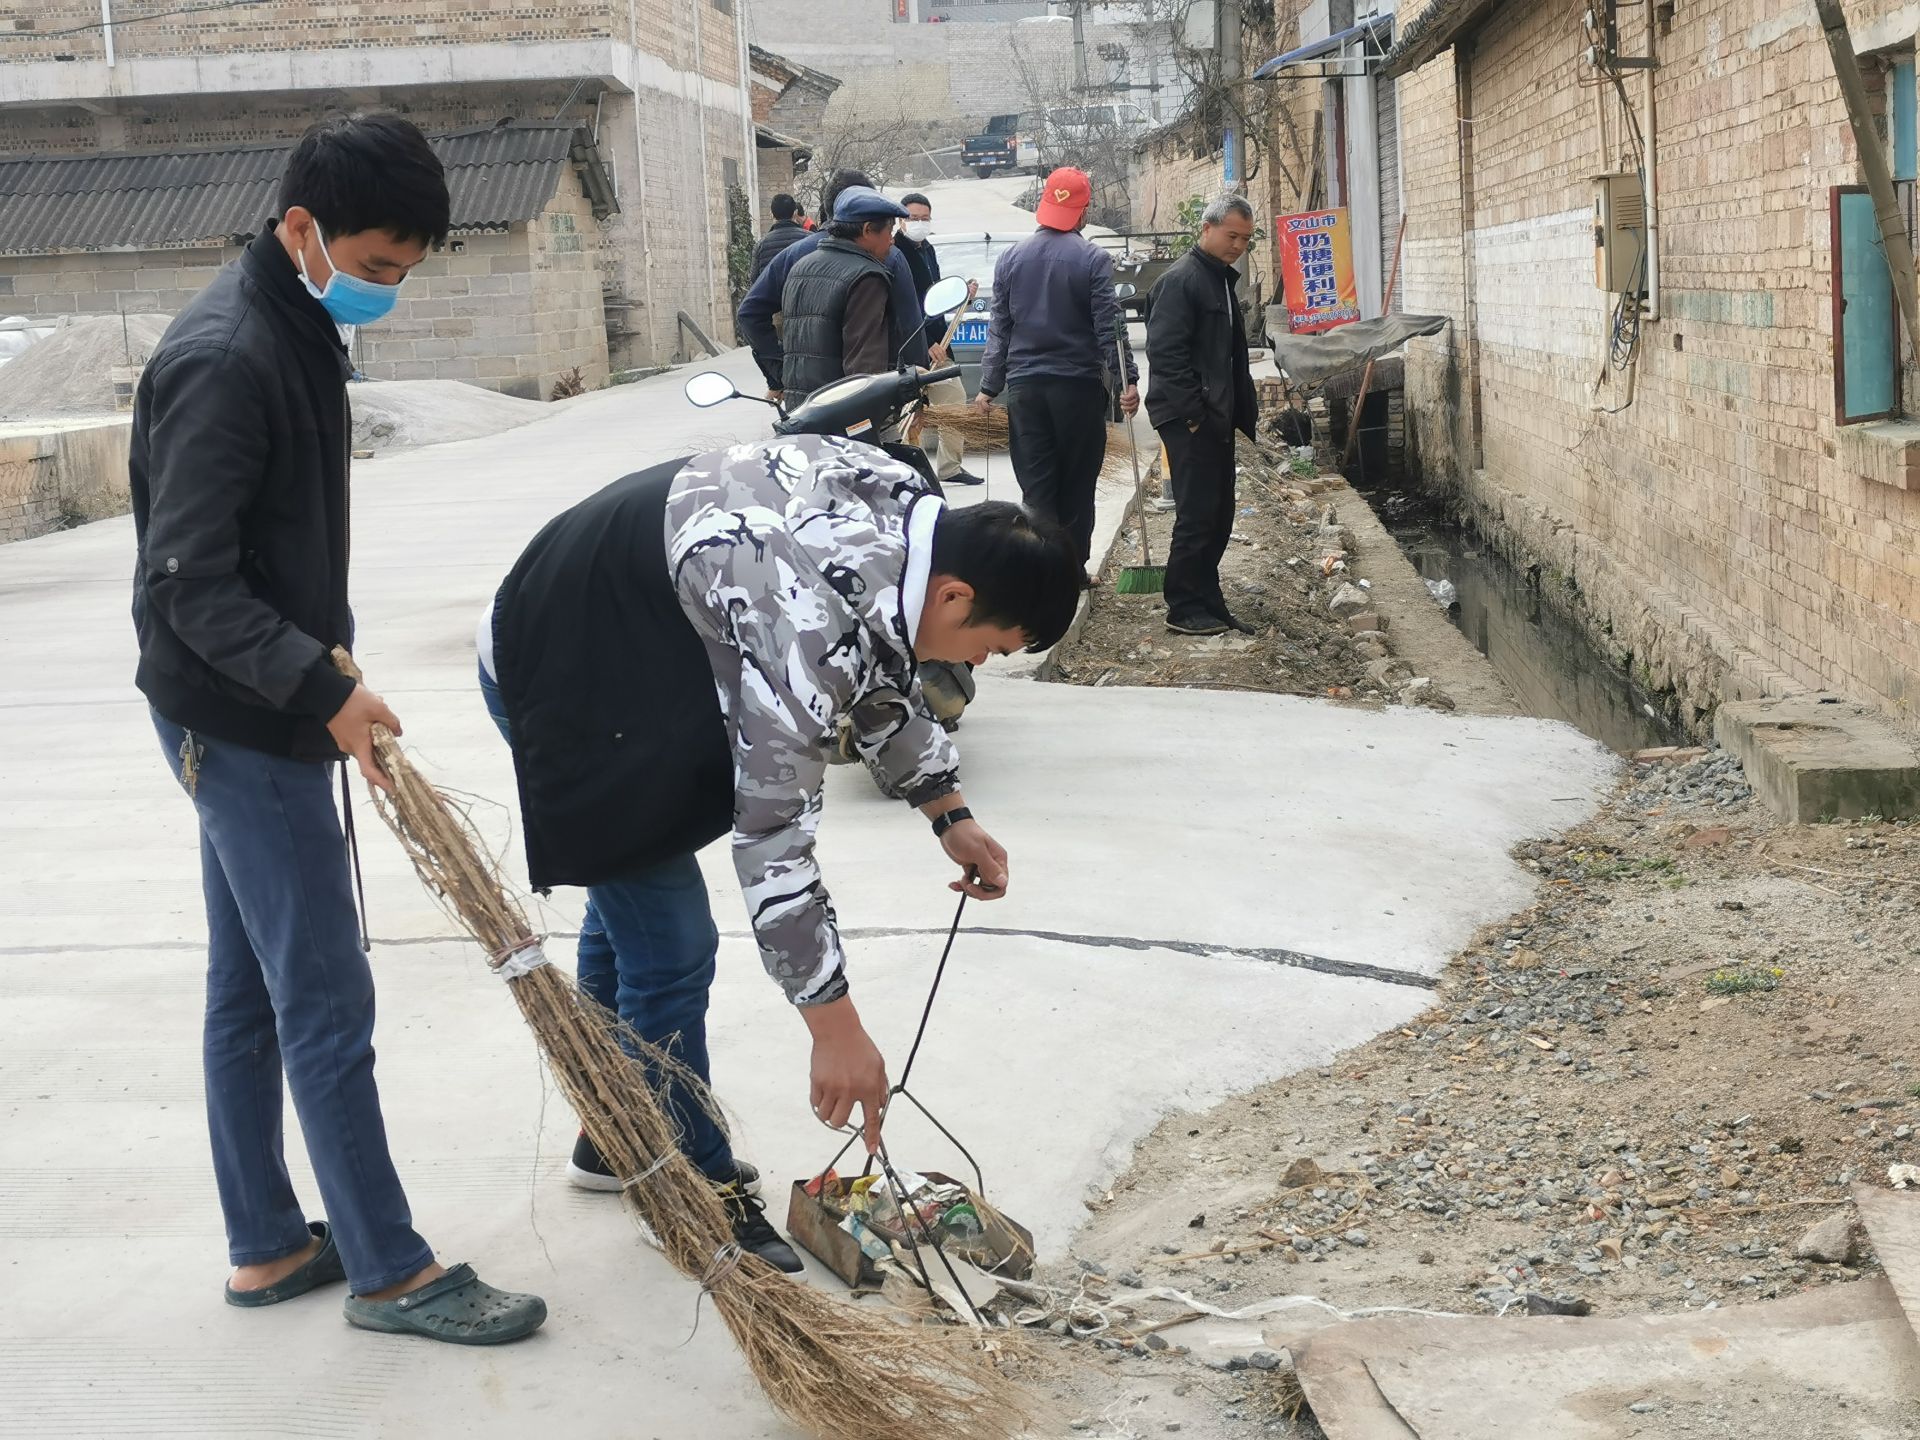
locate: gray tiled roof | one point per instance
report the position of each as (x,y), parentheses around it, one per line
(496,176)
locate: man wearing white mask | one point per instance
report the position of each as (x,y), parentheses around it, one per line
(915,244)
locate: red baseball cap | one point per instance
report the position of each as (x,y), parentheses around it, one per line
(1064,199)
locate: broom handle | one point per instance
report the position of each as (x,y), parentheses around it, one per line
(1133,446)
(953,328)
(383,741)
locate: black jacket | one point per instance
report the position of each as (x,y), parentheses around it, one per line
(1197,366)
(592,597)
(239,477)
(924,261)
(814,307)
(783,234)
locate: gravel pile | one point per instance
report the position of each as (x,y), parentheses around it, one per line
(1715,781)
(70,372)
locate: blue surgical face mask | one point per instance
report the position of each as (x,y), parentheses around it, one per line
(347,298)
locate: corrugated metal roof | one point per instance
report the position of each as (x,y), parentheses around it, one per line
(496,177)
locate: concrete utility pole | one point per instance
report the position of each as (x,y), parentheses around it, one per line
(1233,79)
(1873,159)
(1080,81)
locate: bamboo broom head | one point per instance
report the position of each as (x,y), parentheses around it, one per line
(833,1368)
(991,432)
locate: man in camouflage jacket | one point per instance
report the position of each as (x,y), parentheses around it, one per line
(671,660)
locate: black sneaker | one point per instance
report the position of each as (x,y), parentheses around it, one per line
(963,477)
(1196,625)
(1234,622)
(753,1233)
(588,1171)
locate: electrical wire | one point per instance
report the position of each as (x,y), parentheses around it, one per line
(120,22)
(1624,322)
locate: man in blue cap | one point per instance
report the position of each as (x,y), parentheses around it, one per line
(838,301)
(755,321)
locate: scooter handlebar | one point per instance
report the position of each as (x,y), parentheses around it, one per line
(934,377)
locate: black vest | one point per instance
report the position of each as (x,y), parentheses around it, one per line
(813,307)
(618,742)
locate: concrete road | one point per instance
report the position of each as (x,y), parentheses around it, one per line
(1210,890)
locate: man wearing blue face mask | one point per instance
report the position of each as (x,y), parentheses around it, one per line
(240,503)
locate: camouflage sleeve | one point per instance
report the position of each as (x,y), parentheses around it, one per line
(907,748)
(802,656)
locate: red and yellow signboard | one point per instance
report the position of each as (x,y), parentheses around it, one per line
(1316,266)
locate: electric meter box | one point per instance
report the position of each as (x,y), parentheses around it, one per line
(1620,234)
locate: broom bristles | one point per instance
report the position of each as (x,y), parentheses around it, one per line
(833,1368)
(991,431)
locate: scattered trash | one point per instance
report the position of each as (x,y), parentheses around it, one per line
(858,1227)
(1901,1176)
(1444,592)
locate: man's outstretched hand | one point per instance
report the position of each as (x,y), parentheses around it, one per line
(848,1069)
(352,730)
(981,858)
(982,404)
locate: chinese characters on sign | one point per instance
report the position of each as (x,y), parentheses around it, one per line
(1316,265)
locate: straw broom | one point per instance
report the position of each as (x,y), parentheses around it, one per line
(990,432)
(832,1368)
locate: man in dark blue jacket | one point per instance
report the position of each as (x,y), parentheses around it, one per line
(240,501)
(755,318)
(1050,345)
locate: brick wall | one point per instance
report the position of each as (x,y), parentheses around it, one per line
(661,253)
(59,478)
(297,25)
(776,177)
(1722,531)
(144,282)
(510,312)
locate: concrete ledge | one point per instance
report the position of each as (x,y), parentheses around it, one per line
(1886,452)
(58,474)
(1819,757)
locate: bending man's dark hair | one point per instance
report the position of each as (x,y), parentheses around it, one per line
(1025,572)
(368,172)
(842,180)
(783,207)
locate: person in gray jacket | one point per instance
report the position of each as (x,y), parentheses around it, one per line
(670,660)
(1050,344)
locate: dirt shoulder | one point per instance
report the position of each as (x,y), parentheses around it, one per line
(1639,1095)
(1300,539)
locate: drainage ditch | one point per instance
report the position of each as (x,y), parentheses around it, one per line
(1554,670)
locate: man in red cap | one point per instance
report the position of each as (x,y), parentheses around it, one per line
(1050,346)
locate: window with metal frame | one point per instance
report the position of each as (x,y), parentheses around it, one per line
(1866,368)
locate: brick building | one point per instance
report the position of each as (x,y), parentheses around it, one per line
(661,86)
(1695,475)
(789,102)
(511,302)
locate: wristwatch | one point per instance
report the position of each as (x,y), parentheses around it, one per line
(947,819)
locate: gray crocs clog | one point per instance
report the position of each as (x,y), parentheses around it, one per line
(459,1308)
(323,1269)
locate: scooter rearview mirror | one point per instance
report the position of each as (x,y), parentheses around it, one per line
(946,296)
(710,388)
(1123,292)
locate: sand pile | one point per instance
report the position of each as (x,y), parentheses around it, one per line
(71,371)
(396,414)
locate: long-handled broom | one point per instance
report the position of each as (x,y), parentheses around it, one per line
(834,1369)
(1146,578)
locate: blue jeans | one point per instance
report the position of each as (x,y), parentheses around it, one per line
(288,986)
(647,951)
